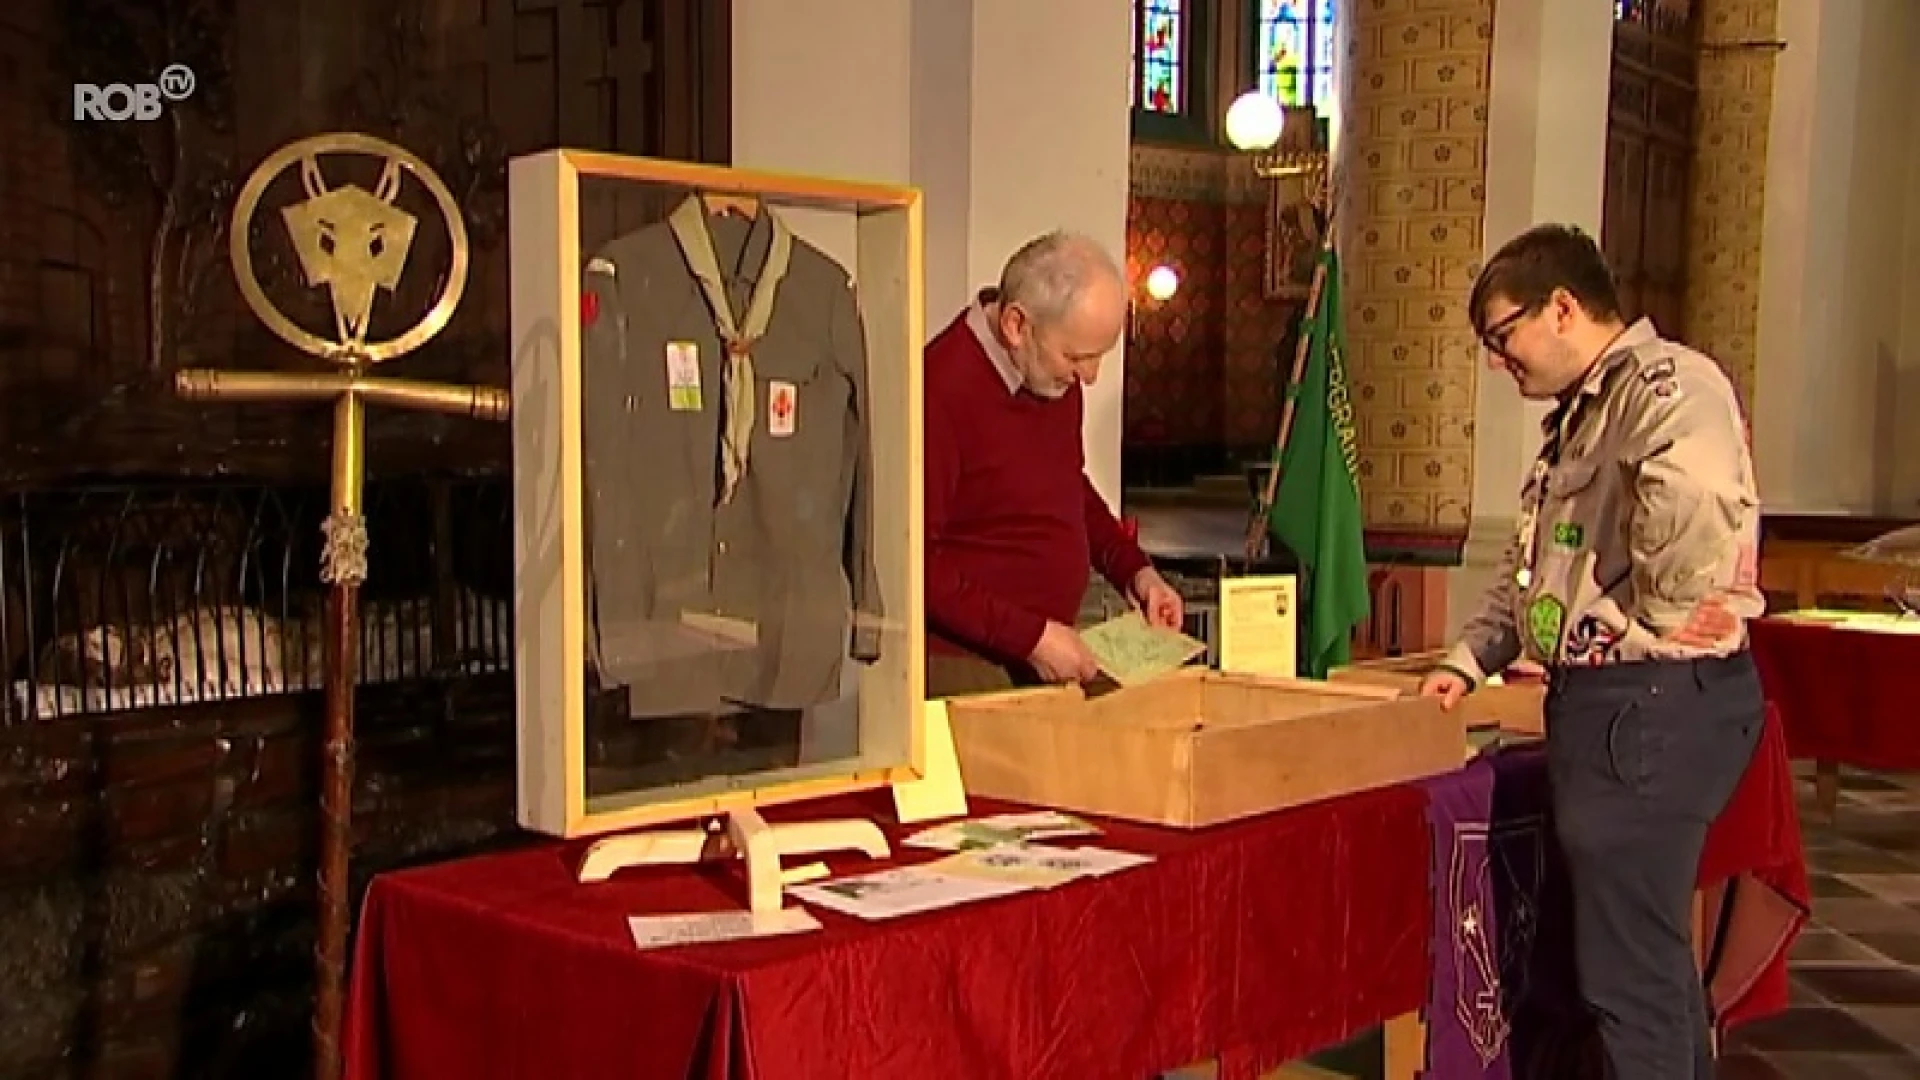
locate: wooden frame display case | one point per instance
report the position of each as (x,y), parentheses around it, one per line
(717,533)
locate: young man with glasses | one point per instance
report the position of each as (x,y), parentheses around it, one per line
(1630,578)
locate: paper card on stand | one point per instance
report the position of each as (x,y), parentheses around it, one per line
(1258,628)
(941,793)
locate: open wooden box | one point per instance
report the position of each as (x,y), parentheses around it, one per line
(1198,747)
(1513,707)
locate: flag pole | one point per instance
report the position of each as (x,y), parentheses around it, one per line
(1257,527)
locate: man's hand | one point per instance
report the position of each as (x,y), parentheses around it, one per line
(1448,686)
(1156,599)
(1061,657)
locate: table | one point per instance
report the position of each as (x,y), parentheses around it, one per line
(1255,942)
(1846,695)
(1503,1002)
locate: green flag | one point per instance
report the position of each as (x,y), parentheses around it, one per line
(1316,509)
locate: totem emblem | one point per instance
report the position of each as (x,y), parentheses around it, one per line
(352,242)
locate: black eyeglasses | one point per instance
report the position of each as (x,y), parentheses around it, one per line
(1495,337)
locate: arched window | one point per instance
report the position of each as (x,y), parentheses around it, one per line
(1171,92)
(1293,52)
(1160,49)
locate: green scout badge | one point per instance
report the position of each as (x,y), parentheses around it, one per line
(1545,617)
(1569,534)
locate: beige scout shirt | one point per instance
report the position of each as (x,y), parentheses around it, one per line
(1639,527)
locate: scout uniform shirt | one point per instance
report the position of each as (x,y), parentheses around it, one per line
(728,491)
(1639,527)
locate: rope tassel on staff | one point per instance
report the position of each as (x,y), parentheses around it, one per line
(354,243)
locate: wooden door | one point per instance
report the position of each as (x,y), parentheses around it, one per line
(1650,145)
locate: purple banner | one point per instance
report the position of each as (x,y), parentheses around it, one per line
(1503,1004)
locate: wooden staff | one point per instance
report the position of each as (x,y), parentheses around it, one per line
(332,232)
(343,567)
(1257,526)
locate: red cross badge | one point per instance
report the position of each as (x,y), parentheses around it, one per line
(782,409)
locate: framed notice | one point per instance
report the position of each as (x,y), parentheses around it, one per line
(1258,632)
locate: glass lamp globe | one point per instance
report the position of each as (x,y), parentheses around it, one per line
(1162,282)
(1254,121)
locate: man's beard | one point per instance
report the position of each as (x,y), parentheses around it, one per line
(1038,383)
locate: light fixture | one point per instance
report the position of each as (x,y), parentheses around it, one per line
(1282,141)
(1162,283)
(1254,122)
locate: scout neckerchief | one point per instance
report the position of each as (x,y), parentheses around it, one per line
(689,224)
(1564,415)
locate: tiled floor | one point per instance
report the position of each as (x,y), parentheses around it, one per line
(1856,968)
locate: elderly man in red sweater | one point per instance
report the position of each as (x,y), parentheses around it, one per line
(1013,524)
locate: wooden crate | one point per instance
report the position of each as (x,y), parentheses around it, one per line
(1514,707)
(1198,747)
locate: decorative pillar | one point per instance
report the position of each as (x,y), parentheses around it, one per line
(1738,49)
(1411,187)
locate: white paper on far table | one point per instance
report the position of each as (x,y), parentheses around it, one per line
(906,890)
(665,931)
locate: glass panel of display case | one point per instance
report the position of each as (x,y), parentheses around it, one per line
(716,473)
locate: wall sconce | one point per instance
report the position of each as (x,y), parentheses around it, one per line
(1162,283)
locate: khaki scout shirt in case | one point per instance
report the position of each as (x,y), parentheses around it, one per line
(781,564)
(1640,511)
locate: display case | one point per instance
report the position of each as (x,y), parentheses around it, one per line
(717,533)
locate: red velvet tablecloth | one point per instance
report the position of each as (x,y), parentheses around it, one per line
(1845,696)
(1257,941)
(1753,881)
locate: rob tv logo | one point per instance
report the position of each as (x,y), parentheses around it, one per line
(139,101)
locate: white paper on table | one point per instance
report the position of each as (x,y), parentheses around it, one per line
(1041,867)
(1000,829)
(906,890)
(666,931)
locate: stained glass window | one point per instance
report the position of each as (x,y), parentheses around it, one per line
(1159,44)
(1296,52)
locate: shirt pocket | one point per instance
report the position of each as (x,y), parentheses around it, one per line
(1570,510)
(800,446)
(795,396)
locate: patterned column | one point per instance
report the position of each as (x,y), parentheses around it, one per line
(1411,170)
(1731,118)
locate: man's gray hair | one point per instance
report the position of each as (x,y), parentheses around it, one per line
(1047,274)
